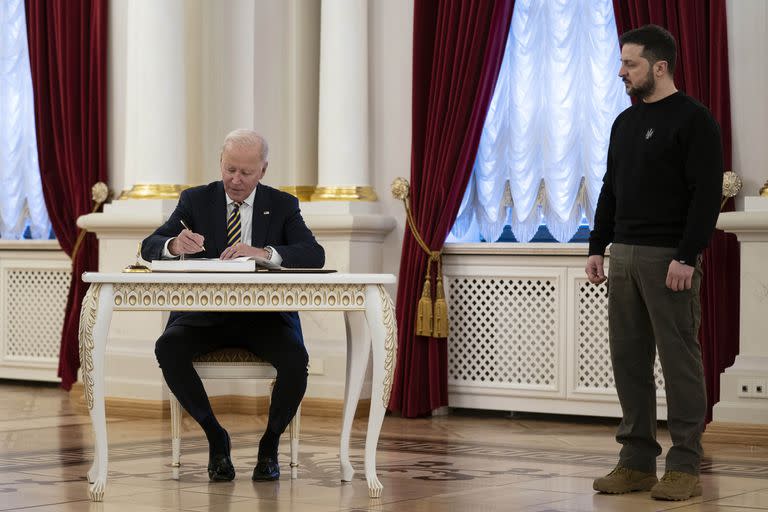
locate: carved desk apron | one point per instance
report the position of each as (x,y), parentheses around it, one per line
(368,313)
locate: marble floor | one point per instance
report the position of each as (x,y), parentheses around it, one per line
(463,461)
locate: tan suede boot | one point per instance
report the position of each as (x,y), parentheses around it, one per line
(677,486)
(623,480)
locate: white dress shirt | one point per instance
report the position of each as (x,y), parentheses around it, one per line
(246,217)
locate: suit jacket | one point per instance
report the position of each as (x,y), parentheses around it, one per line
(276,222)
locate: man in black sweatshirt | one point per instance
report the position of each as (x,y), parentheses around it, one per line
(658,207)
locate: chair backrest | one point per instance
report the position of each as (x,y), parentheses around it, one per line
(233,363)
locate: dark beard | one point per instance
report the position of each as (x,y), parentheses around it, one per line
(645,89)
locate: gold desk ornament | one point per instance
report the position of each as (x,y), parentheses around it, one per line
(764,189)
(100,194)
(431,316)
(731,186)
(138,266)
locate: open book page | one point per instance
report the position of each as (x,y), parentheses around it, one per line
(241,264)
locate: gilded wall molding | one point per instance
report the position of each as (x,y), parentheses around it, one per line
(344,194)
(301,192)
(153,191)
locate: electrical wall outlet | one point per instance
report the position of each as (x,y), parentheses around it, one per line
(753,388)
(760,389)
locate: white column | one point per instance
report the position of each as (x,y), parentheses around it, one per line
(156,93)
(230,63)
(343,211)
(744,386)
(302,76)
(748,43)
(343,140)
(151,126)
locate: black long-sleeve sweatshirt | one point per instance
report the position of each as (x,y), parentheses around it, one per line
(664,177)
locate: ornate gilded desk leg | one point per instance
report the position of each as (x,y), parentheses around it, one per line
(358,349)
(95,317)
(381,322)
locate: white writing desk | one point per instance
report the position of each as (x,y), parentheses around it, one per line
(368,313)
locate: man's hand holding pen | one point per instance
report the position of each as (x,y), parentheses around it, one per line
(188,242)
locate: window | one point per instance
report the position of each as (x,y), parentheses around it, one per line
(22,208)
(542,153)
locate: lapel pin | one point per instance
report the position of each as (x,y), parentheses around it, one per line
(266,212)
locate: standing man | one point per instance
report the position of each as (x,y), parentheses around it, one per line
(234,217)
(658,205)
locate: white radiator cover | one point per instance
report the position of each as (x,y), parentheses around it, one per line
(34,283)
(528,332)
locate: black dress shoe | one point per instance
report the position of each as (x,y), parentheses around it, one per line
(220,468)
(267,469)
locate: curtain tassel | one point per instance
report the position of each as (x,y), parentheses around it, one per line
(440,327)
(424,310)
(440,317)
(431,318)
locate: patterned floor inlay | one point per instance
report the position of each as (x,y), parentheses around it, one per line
(460,462)
(425,469)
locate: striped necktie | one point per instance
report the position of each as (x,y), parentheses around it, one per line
(233,225)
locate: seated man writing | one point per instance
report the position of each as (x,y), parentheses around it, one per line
(235,217)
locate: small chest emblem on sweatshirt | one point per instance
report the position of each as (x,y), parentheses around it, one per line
(649,134)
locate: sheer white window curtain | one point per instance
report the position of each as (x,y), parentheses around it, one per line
(21,192)
(543,149)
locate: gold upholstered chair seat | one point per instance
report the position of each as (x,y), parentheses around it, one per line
(232,363)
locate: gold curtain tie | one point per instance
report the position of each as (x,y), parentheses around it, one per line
(431,317)
(99,194)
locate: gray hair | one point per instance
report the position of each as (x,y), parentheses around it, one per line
(243,137)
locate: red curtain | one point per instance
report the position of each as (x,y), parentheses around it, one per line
(68,59)
(458,47)
(702,72)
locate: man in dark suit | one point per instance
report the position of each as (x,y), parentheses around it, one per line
(234,217)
